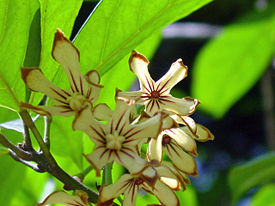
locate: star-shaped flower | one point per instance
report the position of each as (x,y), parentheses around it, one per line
(130,185)
(83,92)
(156,95)
(118,140)
(179,144)
(61,197)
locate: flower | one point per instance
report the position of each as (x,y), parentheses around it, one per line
(84,90)
(130,185)
(118,140)
(156,95)
(61,197)
(179,144)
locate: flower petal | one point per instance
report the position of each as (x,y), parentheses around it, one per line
(149,128)
(202,133)
(183,140)
(154,150)
(121,117)
(67,55)
(181,159)
(102,112)
(92,77)
(126,96)
(49,110)
(36,81)
(131,161)
(99,157)
(110,192)
(184,106)
(61,197)
(187,121)
(130,195)
(139,65)
(86,122)
(176,73)
(165,195)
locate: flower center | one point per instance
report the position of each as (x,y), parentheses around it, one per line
(139,181)
(77,102)
(114,141)
(166,139)
(155,95)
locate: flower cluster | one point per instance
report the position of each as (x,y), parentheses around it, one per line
(164,126)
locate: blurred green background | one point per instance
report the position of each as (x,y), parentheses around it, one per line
(228,46)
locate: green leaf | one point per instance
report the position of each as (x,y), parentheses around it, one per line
(11,175)
(265,196)
(16,17)
(55,14)
(4,151)
(188,196)
(251,174)
(31,190)
(117,27)
(230,64)
(65,142)
(121,71)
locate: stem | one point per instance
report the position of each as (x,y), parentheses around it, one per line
(18,151)
(27,138)
(28,164)
(29,123)
(107,174)
(48,121)
(82,174)
(47,162)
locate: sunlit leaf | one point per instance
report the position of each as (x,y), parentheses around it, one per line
(188,196)
(250,174)
(117,27)
(120,75)
(16,17)
(30,192)
(65,142)
(265,196)
(55,14)
(11,175)
(230,64)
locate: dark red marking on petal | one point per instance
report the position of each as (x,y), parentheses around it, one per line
(128,154)
(166,140)
(119,120)
(127,148)
(164,85)
(67,93)
(151,87)
(128,131)
(110,153)
(103,153)
(122,127)
(161,92)
(66,103)
(102,131)
(117,156)
(111,128)
(97,132)
(146,88)
(62,96)
(72,77)
(136,132)
(66,111)
(157,103)
(81,85)
(171,146)
(89,93)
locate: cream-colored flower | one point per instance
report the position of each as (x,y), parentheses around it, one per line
(118,140)
(179,144)
(156,95)
(130,185)
(83,92)
(61,197)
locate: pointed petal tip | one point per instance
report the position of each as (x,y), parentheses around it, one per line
(59,35)
(137,56)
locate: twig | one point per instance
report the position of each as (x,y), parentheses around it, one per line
(16,150)
(28,164)
(47,122)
